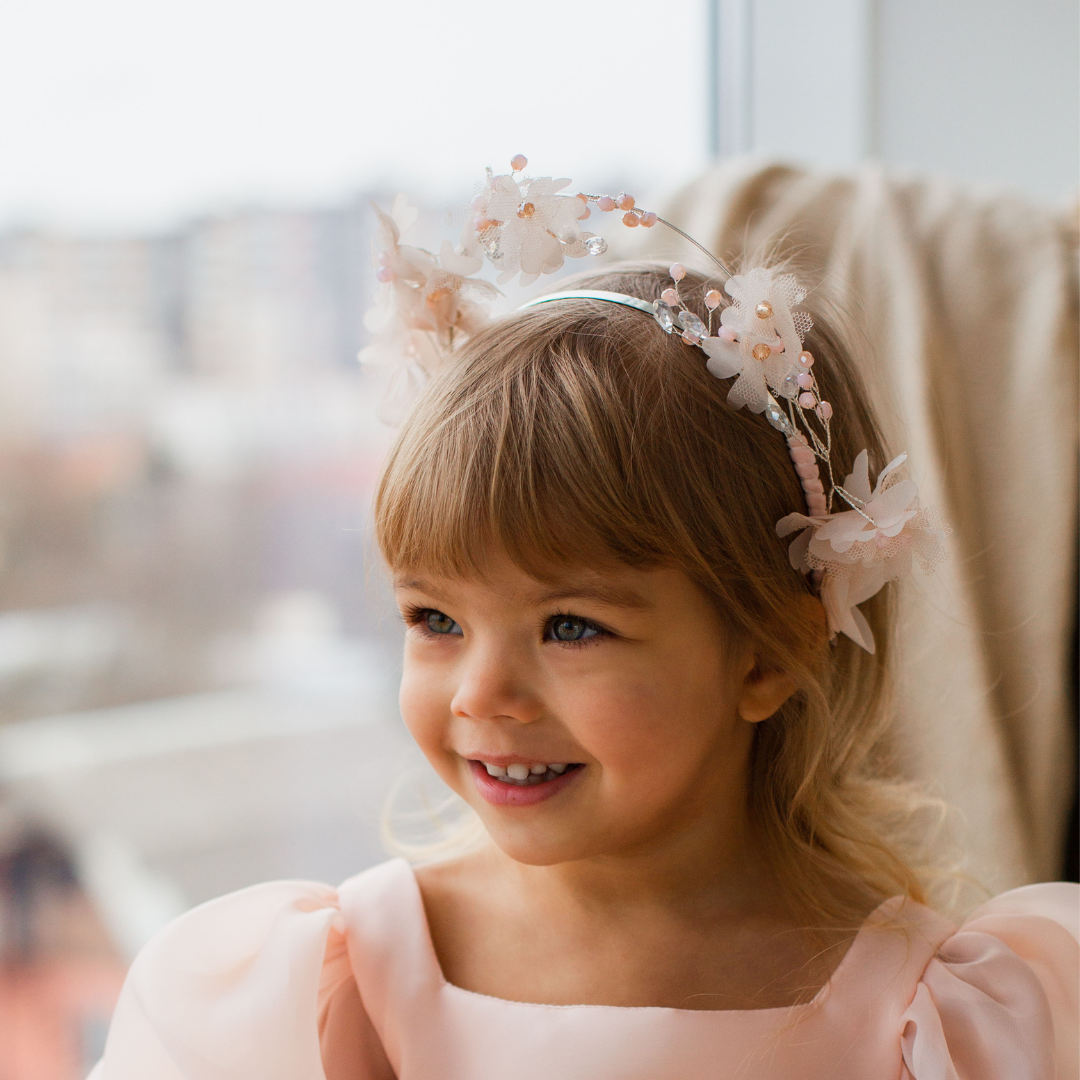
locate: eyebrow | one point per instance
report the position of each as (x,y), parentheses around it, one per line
(613,595)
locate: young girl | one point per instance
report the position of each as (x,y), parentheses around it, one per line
(668,720)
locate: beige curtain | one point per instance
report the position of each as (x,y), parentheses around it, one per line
(969,305)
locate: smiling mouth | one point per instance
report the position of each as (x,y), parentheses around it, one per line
(527,775)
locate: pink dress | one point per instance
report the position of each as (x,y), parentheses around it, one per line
(299,981)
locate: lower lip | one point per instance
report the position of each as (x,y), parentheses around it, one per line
(499,793)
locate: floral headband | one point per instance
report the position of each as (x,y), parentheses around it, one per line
(524,226)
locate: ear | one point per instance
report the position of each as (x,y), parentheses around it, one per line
(763,692)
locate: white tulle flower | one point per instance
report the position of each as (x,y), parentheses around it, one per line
(528,228)
(859,550)
(422,303)
(760,338)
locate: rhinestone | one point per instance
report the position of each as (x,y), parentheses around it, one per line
(760,351)
(775,415)
(596,245)
(763,310)
(664,316)
(692,324)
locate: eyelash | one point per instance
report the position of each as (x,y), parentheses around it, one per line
(416,617)
(581,643)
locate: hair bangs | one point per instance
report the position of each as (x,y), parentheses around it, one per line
(531,453)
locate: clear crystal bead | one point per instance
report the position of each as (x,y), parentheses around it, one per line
(596,245)
(664,316)
(692,324)
(775,415)
(790,389)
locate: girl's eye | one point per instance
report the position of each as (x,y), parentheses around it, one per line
(438,623)
(571,628)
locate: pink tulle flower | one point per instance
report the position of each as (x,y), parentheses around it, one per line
(859,550)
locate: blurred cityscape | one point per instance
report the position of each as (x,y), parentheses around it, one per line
(197,652)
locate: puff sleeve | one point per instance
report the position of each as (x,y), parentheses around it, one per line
(999,1001)
(243,986)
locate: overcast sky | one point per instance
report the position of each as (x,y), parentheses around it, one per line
(135,113)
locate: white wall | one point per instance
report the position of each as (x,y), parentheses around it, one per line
(984,90)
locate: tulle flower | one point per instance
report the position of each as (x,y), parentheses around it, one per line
(423,302)
(760,338)
(526,227)
(858,550)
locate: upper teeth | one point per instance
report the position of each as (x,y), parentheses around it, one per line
(520,773)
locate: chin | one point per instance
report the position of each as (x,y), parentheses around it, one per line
(540,844)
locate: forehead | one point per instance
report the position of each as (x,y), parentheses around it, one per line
(617,585)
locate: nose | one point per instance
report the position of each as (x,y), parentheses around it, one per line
(494,684)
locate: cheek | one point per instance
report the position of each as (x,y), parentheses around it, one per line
(649,727)
(424,699)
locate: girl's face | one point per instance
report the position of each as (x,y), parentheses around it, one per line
(595,712)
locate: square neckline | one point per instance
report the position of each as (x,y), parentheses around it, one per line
(882,913)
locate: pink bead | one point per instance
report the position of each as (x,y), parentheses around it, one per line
(712,299)
(678,271)
(606,203)
(691,339)
(670,297)
(482,223)
(806,380)
(478,203)
(806,360)
(825,411)
(648,219)
(384,273)
(807,401)
(626,202)
(585,214)
(630,220)
(726,333)
(518,162)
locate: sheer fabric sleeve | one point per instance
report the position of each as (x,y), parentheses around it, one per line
(237,988)
(1001,999)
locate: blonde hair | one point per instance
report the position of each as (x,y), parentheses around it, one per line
(578,432)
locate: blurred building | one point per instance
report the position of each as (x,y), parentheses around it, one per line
(187,599)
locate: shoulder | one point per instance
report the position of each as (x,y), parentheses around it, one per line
(235,987)
(999,996)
